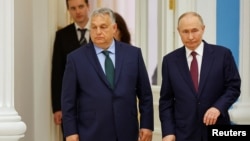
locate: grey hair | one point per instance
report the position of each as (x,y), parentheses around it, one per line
(104,11)
(193,14)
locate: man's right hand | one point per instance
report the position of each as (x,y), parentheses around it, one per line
(74,137)
(169,138)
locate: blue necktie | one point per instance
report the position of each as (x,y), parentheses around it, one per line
(109,68)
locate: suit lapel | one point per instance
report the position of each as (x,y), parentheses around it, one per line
(119,55)
(207,61)
(183,68)
(92,58)
(73,36)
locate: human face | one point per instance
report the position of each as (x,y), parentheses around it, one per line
(191,31)
(78,10)
(102,30)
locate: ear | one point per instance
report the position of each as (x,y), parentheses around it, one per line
(203,27)
(114,27)
(178,29)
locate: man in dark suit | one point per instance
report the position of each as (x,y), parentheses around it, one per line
(187,108)
(96,108)
(67,39)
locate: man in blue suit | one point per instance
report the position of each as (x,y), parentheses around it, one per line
(92,108)
(187,108)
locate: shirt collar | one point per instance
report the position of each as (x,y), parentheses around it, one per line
(86,26)
(111,48)
(198,50)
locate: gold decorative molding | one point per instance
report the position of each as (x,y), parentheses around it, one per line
(99,3)
(172,4)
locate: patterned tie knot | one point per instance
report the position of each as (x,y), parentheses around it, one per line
(82,38)
(82,30)
(193,53)
(106,53)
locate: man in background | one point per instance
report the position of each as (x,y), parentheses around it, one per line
(66,40)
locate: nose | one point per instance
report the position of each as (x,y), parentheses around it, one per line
(190,36)
(78,10)
(98,30)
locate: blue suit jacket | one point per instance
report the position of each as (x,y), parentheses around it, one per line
(96,112)
(181,108)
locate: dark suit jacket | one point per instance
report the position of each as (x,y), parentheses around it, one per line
(65,41)
(181,108)
(96,112)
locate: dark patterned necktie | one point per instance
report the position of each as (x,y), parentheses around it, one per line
(194,70)
(109,68)
(82,40)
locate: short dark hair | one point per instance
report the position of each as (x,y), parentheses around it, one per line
(86,1)
(122,26)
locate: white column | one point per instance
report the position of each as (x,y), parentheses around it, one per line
(141,26)
(11,126)
(240,112)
